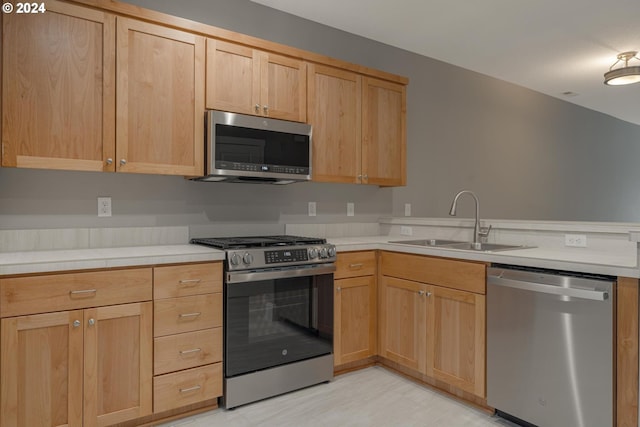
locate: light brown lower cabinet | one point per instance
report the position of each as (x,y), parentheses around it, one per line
(355,336)
(88,367)
(433,330)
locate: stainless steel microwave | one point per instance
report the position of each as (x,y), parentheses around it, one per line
(243,148)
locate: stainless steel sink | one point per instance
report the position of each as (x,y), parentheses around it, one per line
(465,246)
(485,247)
(429,242)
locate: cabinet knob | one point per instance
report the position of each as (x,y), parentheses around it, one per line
(92,322)
(421,293)
(366,178)
(109,161)
(123,162)
(257,108)
(359,178)
(76,323)
(265,108)
(338,289)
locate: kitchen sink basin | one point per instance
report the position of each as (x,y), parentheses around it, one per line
(429,242)
(457,244)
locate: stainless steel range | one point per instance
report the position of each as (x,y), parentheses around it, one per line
(278,311)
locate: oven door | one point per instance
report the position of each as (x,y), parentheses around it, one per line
(275,317)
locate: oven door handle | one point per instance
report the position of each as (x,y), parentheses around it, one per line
(253,276)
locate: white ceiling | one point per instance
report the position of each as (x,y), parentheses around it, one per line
(551,46)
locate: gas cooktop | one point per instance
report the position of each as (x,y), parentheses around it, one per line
(257,241)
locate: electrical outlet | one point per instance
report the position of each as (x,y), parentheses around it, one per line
(350,209)
(407,209)
(575,240)
(312,208)
(104,206)
(406,231)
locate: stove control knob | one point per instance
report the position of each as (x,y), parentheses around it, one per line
(323,253)
(332,251)
(234,259)
(313,253)
(247,258)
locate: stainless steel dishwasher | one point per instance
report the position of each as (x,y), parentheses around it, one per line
(550,347)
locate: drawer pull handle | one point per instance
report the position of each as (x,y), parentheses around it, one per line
(196,314)
(83,292)
(358,265)
(187,390)
(194,350)
(189,281)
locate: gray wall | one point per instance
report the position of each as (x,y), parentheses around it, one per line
(527,155)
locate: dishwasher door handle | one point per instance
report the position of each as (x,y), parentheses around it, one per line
(589,294)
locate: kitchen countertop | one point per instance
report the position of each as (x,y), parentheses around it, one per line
(13,263)
(572,259)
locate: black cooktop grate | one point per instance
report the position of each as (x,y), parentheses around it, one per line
(256,241)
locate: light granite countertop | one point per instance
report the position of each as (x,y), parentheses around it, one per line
(614,263)
(14,263)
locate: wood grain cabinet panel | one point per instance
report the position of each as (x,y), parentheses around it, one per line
(66,291)
(456,334)
(88,368)
(186,387)
(245,80)
(160,99)
(359,122)
(186,314)
(58,89)
(183,280)
(403,322)
(438,331)
(383,132)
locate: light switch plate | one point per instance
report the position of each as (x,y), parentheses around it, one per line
(312,208)
(407,209)
(575,240)
(406,230)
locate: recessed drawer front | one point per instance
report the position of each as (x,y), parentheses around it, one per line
(186,314)
(184,280)
(354,264)
(70,291)
(188,350)
(183,388)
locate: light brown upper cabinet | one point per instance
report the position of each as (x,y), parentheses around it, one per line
(58,89)
(383,132)
(160,99)
(358,127)
(334,112)
(244,80)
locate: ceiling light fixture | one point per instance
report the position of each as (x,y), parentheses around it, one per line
(626,74)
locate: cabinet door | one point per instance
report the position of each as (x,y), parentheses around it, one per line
(118,363)
(403,322)
(456,339)
(233,78)
(41,369)
(58,90)
(160,100)
(383,132)
(355,322)
(283,87)
(335,113)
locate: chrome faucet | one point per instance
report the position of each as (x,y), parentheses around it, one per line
(478,231)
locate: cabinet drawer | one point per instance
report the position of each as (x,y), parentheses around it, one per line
(58,292)
(354,264)
(463,275)
(188,350)
(186,314)
(183,388)
(184,280)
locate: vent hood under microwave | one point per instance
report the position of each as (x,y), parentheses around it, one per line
(252,149)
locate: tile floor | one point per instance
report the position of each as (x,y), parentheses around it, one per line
(372,397)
